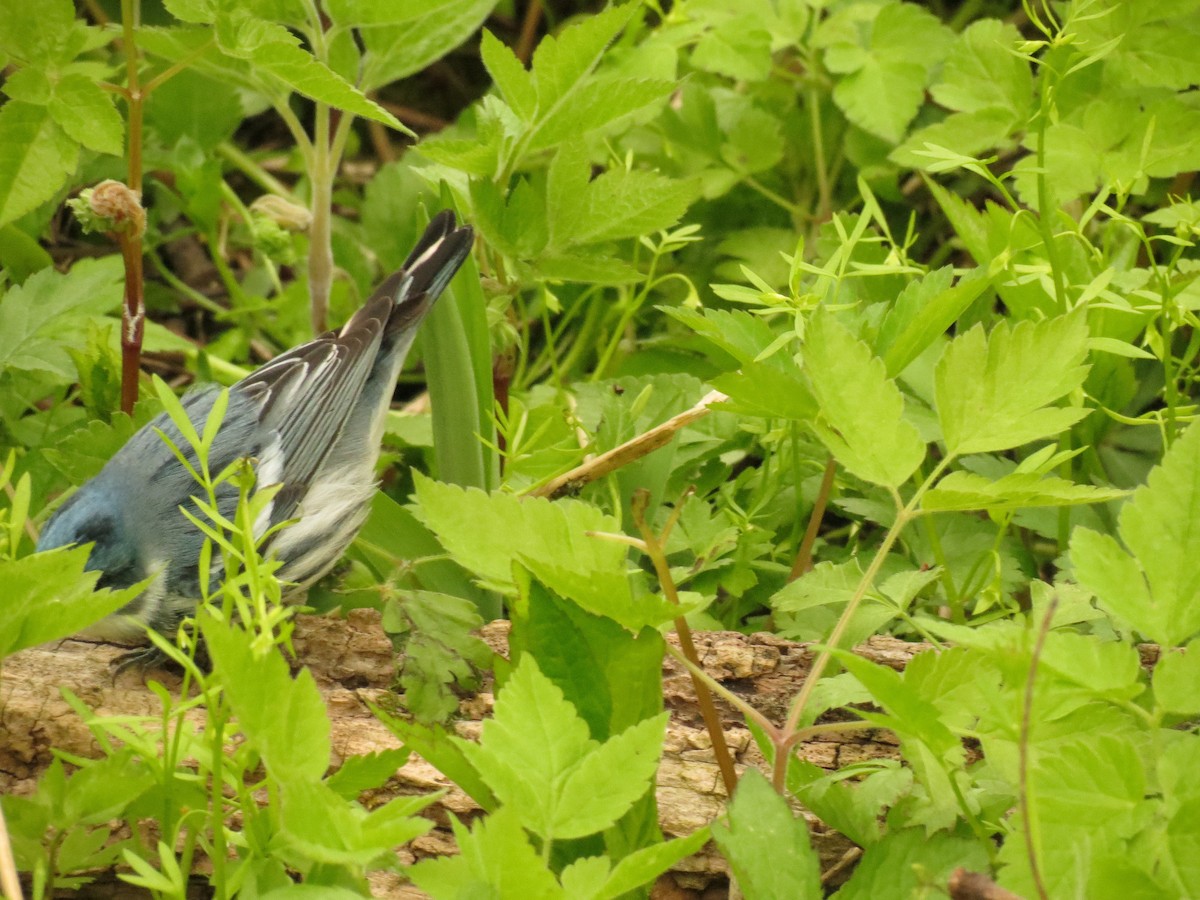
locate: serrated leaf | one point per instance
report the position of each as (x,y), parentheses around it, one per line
(536,755)
(616,204)
(591,800)
(644,865)
(318,826)
(992,392)
(924,311)
(552,534)
(496,860)
(40,316)
(907,859)
(406,36)
(1176,675)
(908,712)
(1153,586)
(560,63)
(739,51)
(1018,490)
(283,717)
(596,103)
(39,38)
(86,113)
(367,771)
(276,52)
(862,411)
(48,596)
(762,831)
(36,157)
(886,64)
(509,75)
(982,71)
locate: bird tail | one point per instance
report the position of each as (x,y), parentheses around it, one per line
(411,291)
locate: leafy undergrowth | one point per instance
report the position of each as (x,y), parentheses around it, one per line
(938,264)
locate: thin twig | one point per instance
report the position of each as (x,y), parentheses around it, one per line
(804,556)
(632,450)
(529,27)
(1023,751)
(708,709)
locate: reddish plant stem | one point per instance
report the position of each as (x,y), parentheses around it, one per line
(804,556)
(704,699)
(529,28)
(133,320)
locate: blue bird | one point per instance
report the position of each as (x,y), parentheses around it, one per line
(313,419)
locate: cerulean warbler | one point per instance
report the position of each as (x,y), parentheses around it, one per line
(313,419)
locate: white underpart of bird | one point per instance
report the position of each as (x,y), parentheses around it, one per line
(312,419)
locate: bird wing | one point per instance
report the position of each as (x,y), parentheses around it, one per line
(304,398)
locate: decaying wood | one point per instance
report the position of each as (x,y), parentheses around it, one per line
(353,663)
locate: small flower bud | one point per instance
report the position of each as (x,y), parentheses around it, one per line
(283,213)
(110,207)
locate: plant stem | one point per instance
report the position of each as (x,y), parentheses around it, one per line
(906,512)
(708,709)
(320,233)
(133,319)
(804,556)
(1023,752)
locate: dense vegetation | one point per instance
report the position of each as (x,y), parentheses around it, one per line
(937,261)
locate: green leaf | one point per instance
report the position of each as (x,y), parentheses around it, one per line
(886,63)
(1018,490)
(36,157)
(276,52)
(809,607)
(284,718)
(40,317)
(644,865)
(439,748)
(908,712)
(41,38)
(922,313)
(318,826)
(366,772)
(762,832)
(439,647)
(536,755)
(510,76)
(617,204)
(48,596)
(741,53)
(906,860)
(1175,678)
(982,72)
(610,676)
(994,392)
(552,538)
(768,389)
(86,113)
(862,411)
(596,103)
(1153,585)
(496,861)
(20,254)
(404,36)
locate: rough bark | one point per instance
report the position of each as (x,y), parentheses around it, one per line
(353,663)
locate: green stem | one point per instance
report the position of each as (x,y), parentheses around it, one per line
(320,232)
(905,513)
(245,164)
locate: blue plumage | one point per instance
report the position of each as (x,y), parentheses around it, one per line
(312,418)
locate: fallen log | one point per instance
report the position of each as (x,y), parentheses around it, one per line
(353,663)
